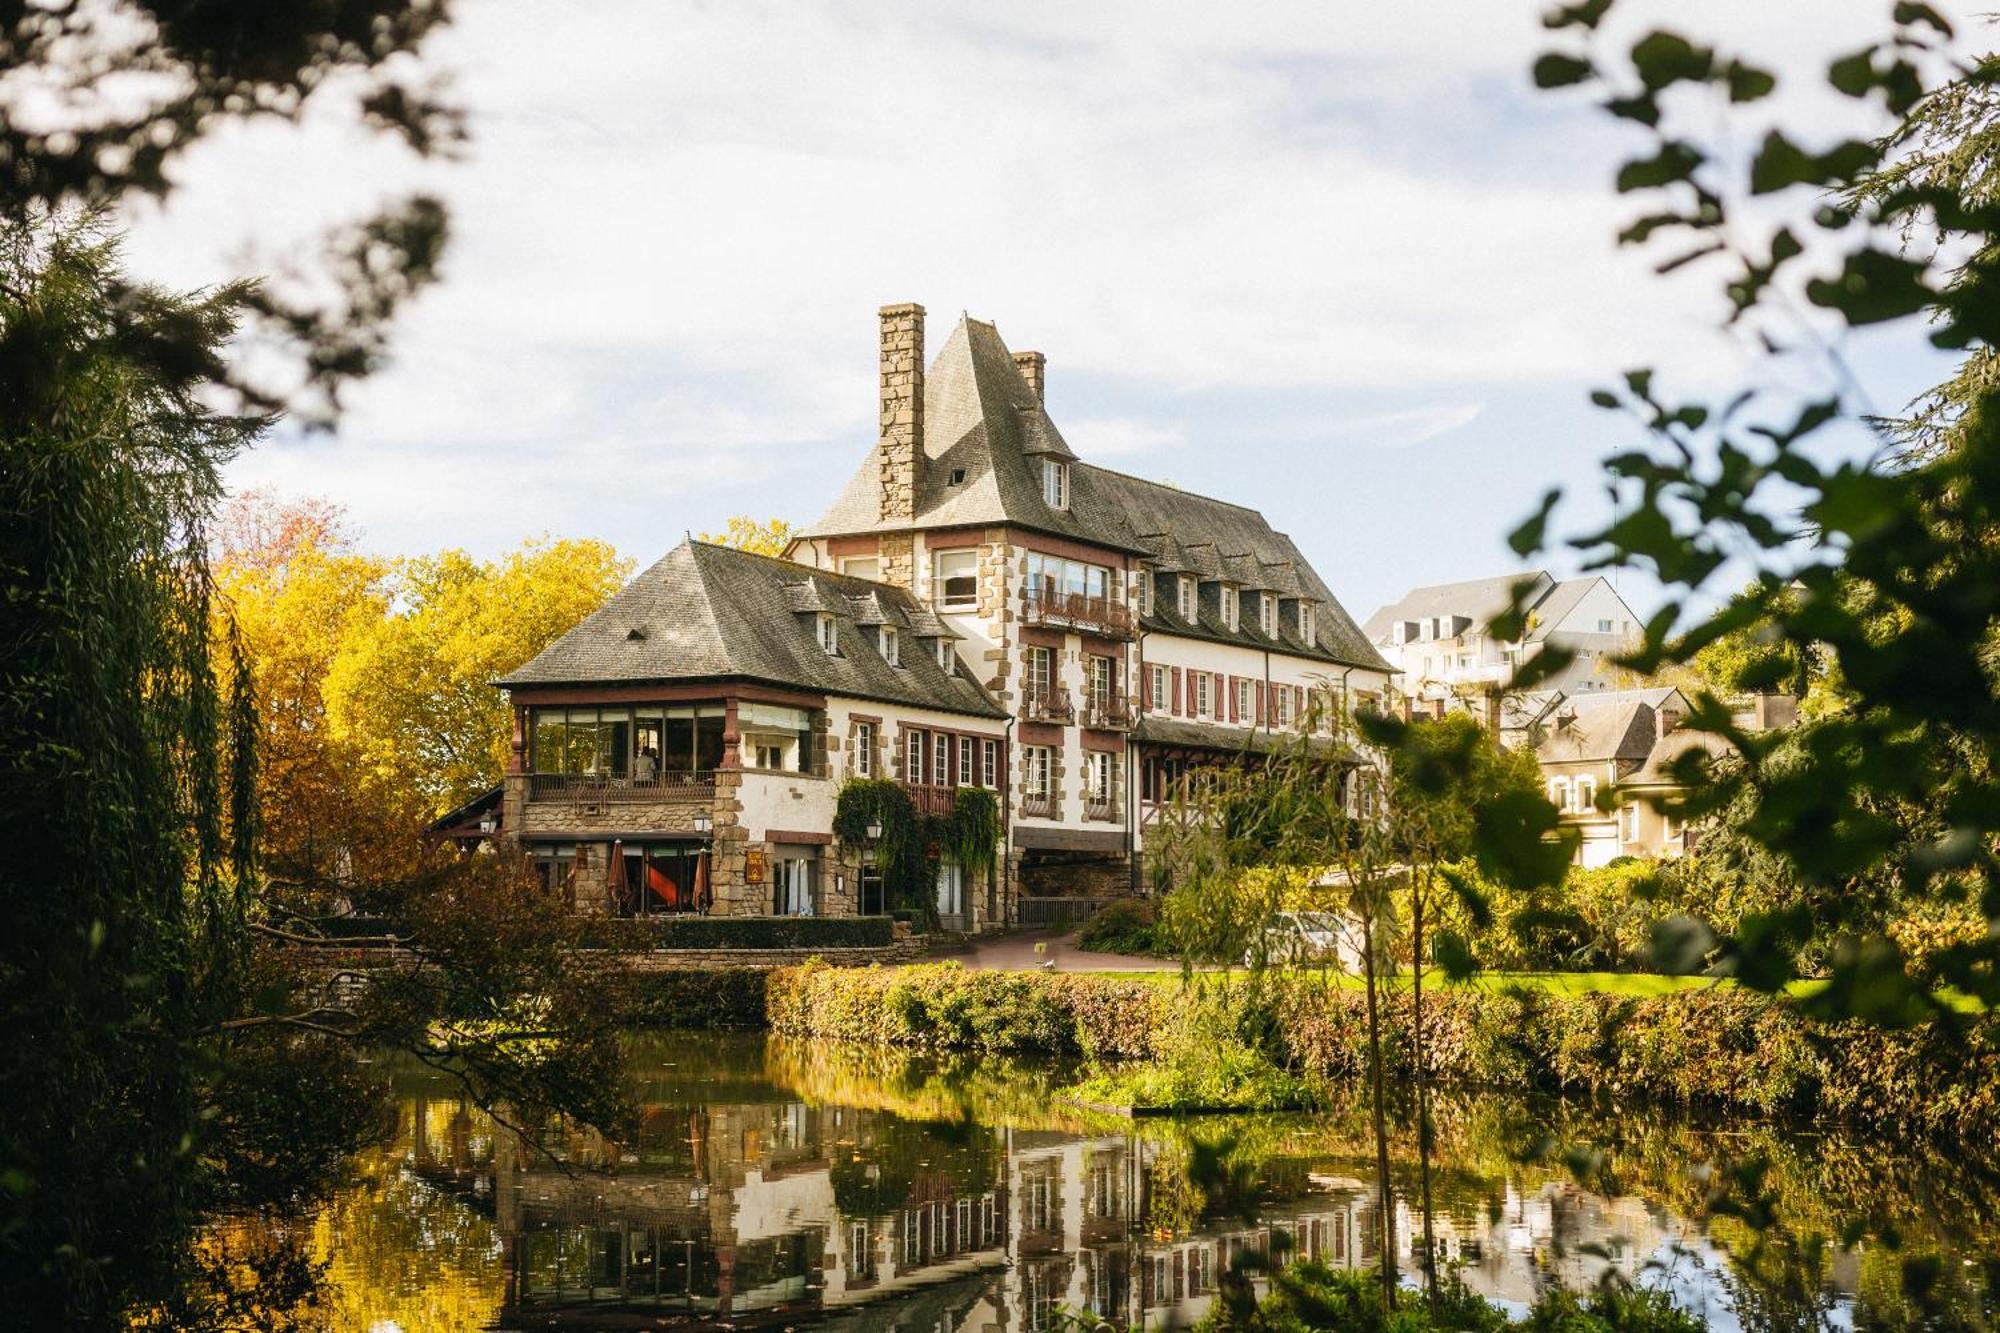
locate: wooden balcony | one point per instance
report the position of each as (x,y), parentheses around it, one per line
(1049,606)
(1052,705)
(932,801)
(1107,712)
(594,787)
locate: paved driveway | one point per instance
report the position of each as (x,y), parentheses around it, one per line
(1016,953)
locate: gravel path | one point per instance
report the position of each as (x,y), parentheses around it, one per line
(1016,953)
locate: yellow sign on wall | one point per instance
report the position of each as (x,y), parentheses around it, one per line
(753,866)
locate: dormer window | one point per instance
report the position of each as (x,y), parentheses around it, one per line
(946,658)
(1308,626)
(891,644)
(1267,614)
(1055,483)
(1190,593)
(1229,606)
(829,635)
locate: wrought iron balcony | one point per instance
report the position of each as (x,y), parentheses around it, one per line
(590,787)
(1046,604)
(1047,705)
(1107,712)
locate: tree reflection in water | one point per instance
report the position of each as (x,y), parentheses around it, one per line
(769,1180)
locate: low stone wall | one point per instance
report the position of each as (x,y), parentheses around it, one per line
(677,960)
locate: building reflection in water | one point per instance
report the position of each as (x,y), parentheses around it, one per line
(766,1209)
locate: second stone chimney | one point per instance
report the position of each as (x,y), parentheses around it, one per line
(1033,367)
(901,448)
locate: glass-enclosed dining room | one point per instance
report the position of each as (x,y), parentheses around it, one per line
(628,741)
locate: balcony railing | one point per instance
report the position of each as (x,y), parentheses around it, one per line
(933,801)
(1048,605)
(1047,705)
(1039,807)
(1107,712)
(603,787)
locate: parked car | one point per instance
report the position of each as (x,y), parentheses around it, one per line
(1307,937)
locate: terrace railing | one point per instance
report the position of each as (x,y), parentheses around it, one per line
(1047,705)
(1107,712)
(932,801)
(699,785)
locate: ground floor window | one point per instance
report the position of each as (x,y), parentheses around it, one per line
(663,878)
(794,885)
(555,865)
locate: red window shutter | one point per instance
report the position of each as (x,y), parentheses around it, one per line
(1260,703)
(1175,702)
(1145,686)
(1232,700)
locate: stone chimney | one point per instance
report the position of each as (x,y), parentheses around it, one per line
(902,444)
(1034,369)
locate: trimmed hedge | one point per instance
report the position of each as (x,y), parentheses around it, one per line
(1721,1047)
(730,997)
(742,932)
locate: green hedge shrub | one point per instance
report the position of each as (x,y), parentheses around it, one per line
(1719,1047)
(1125,926)
(730,997)
(741,932)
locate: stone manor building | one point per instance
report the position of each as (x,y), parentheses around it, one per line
(980,608)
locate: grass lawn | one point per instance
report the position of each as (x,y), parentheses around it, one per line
(1562,983)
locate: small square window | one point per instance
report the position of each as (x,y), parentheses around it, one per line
(955,579)
(957,477)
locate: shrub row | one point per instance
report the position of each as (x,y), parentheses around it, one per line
(1719,1047)
(730,997)
(741,932)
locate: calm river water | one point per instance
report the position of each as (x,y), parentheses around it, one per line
(775,1183)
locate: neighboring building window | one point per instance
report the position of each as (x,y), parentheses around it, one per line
(1281,696)
(1670,827)
(1190,597)
(1308,623)
(1204,694)
(1629,816)
(1055,483)
(1603,627)
(919,748)
(1229,606)
(829,635)
(861,566)
(864,750)
(1267,614)
(1097,773)
(1103,683)
(1246,700)
(941,774)
(1037,761)
(1586,795)
(965,768)
(956,577)
(769,755)
(950,902)
(947,659)
(990,764)
(1145,591)
(892,647)
(1559,793)
(1040,669)
(1161,683)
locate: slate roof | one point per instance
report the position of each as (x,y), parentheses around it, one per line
(981,418)
(1153,729)
(1657,771)
(713,613)
(1482,599)
(1617,724)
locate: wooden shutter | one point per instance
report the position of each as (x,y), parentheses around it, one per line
(1145,685)
(1174,704)
(1260,703)
(1232,699)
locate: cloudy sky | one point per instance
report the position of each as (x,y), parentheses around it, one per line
(1339,262)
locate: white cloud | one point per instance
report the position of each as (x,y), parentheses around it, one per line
(1410,426)
(1120,437)
(675,222)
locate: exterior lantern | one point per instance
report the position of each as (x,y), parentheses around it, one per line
(874,830)
(702,823)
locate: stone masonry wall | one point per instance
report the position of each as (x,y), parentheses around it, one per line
(901,446)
